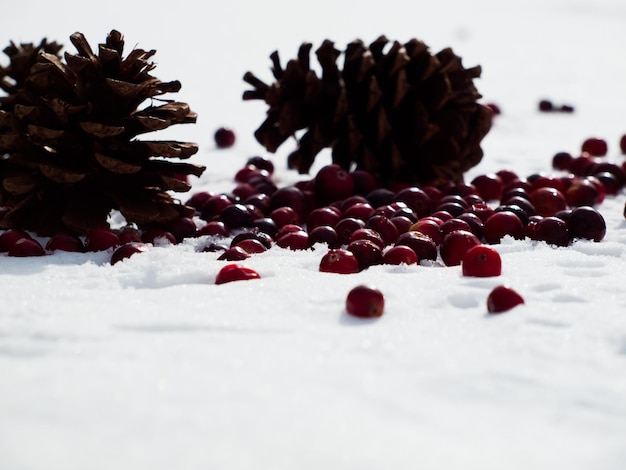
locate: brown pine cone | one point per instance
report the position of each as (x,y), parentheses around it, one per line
(395,110)
(69,131)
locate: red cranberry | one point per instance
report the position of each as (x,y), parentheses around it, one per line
(429,228)
(548,201)
(10,237)
(252,246)
(158,237)
(235,272)
(587,223)
(543,181)
(234,253)
(417,200)
(454,208)
(546,106)
(503,298)
(507,176)
(562,161)
(296,240)
(399,254)
(333,183)
(609,181)
(324,234)
(365,302)
(346,227)
(293,197)
(594,146)
(423,246)
(501,224)
(442,215)
(224,137)
(455,245)
(339,261)
(215,228)
(284,215)
(483,211)
(367,253)
(367,234)
(364,181)
(265,225)
(236,216)
(360,210)
(622,144)
(380,197)
(214,206)
(582,165)
(181,228)
(323,216)
(402,223)
(481,261)
(262,163)
(65,242)
(385,227)
(553,231)
(489,186)
(494,108)
(198,199)
(581,193)
(454,224)
(25,247)
(126,251)
(100,239)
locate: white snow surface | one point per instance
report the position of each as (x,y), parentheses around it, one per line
(148,364)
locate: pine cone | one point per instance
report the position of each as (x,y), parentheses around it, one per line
(68,131)
(397,111)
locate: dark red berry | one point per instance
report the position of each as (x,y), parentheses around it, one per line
(159,237)
(296,240)
(366,252)
(454,224)
(595,147)
(503,298)
(126,251)
(100,239)
(455,245)
(324,234)
(423,246)
(552,230)
(339,261)
(262,163)
(489,186)
(293,197)
(548,201)
(181,228)
(215,228)
(346,227)
(252,246)
(198,199)
(546,106)
(10,237)
(367,234)
(25,247)
(235,272)
(224,137)
(365,302)
(399,254)
(430,228)
(65,242)
(284,215)
(502,224)
(587,223)
(622,144)
(562,161)
(333,183)
(364,182)
(582,192)
(481,261)
(234,253)
(417,200)
(385,227)
(360,210)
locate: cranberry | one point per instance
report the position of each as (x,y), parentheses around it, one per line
(402,223)
(622,144)
(548,201)
(235,272)
(562,161)
(365,302)
(546,106)
(474,223)
(380,197)
(364,181)
(489,186)
(265,225)
(284,215)
(339,261)
(251,246)
(346,227)
(587,223)
(521,214)
(454,224)
(324,234)
(158,237)
(224,137)
(501,224)
(129,235)
(453,208)
(553,231)
(198,199)
(385,227)
(181,228)
(543,181)
(507,176)
(503,298)
(609,181)
(262,163)
(65,242)
(100,239)
(367,253)
(367,234)
(296,240)
(293,197)
(126,251)
(483,211)
(399,254)
(323,216)
(595,146)
(494,108)
(214,206)
(25,247)
(8,238)
(481,261)
(455,245)
(423,246)
(215,228)
(360,210)
(236,216)
(582,165)
(429,228)
(333,183)
(582,192)
(234,253)
(416,199)
(244,190)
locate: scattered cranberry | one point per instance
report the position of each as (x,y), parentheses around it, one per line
(423,246)
(501,224)
(181,228)
(365,302)
(234,253)
(25,247)
(252,246)
(10,237)
(100,239)
(455,245)
(481,261)
(333,183)
(296,240)
(553,231)
(503,298)
(367,234)
(494,108)
(622,144)
(548,201)
(235,272)
(416,199)
(582,192)
(595,147)
(587,223)
(215,228)
(158,236)
(546,106)
(346,227)
(367,253)
(126,251)
(284,215)
(399,254)
(385,227)
(339,261)
(489,186)
(562,161)
(65,242)
(224,137)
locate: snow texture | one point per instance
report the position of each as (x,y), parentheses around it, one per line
(148,364)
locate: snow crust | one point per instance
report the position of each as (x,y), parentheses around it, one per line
(148,364)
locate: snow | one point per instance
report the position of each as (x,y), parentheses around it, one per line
(148,364)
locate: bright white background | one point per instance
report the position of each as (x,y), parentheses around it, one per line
(147,364)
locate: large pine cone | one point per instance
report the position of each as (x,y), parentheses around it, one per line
(68,134)
(395,110)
